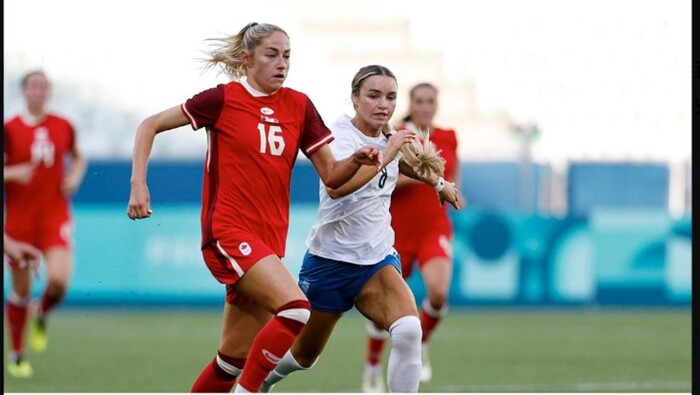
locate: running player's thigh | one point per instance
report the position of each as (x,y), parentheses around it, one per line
(59,261)
(314,337)
(437,273)
(386,297)
(241,324)
(269,284)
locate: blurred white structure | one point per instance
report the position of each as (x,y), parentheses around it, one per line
(603,80)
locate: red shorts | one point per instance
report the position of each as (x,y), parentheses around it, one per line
(422,249)
(48,233)
(228,259)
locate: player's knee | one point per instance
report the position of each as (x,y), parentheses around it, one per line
(19,299)
(56,289)
(406,332)
(438,299)
(297,311)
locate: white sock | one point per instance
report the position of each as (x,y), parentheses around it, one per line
(403,370)
(373,369)
(286,366)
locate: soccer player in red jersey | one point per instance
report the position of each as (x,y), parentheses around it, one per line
(423,235)
(37,210)
(255,129)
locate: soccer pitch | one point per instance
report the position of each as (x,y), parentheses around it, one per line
(473,350)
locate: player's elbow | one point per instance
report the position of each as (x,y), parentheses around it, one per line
(334,193)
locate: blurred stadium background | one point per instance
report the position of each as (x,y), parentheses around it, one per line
(573,261)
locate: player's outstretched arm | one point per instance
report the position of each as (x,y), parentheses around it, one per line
(140,199)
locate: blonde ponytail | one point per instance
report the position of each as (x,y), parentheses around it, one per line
(423,157)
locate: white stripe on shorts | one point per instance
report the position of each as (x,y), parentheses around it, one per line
(235,264)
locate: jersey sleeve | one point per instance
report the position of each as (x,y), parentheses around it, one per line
(315,133)
(204,108)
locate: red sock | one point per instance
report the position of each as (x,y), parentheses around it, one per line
(16,319)
(51,297)
(215,379)
(428,323)
(269,346)
(375,346)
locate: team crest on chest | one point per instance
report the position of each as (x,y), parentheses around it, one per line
(267,115)
(42,149)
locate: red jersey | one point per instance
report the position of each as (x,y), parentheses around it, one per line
(416,206)
(253,144)
(46,144)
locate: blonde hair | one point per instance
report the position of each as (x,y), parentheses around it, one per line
(225,53)
(423,157)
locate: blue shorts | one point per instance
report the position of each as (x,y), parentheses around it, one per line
(332,286)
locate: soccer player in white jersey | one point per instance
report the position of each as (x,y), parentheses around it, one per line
(351,260)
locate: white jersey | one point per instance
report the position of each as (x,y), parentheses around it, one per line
(355,228)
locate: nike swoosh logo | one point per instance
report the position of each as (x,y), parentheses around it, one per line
(274,359)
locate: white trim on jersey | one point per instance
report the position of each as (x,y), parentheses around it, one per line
(319,143)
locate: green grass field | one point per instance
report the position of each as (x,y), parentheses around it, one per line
(474,350)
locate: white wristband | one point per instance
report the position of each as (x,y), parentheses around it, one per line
(440,185)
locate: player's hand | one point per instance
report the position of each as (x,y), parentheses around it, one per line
(397,141)
(23,253)
(369,155)
(21,172)
(139,202)
(70,184)
(450,194)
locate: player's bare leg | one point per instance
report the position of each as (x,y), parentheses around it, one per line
(241,322)
(272,287)
(16,309)
(58,270)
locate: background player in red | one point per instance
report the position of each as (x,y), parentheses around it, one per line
(255,128)
(423,236)
(37,210)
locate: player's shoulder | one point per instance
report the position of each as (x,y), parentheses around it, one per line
(447,135)
(55,117)
(295,99)
(293,92)
(342,125)
(444,130)
(10,120)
